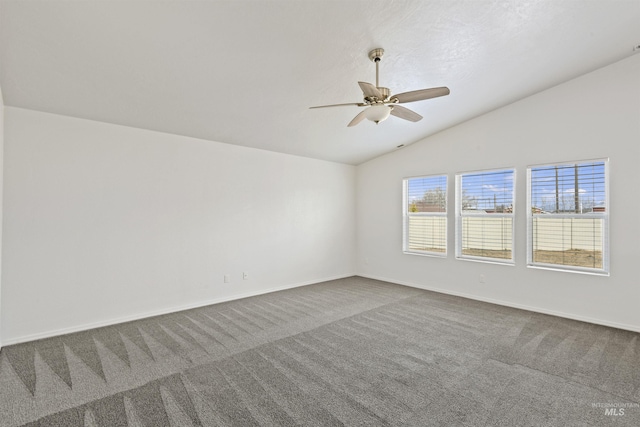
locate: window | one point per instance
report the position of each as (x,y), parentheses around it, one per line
(425,215)
(568,214)
(484,215)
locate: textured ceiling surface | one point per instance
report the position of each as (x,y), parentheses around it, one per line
(245,72)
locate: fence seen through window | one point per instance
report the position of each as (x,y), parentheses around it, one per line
(568,215)
(485,207)
(425,216)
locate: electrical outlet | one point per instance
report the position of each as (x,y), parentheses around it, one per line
(227,278)
(245,276)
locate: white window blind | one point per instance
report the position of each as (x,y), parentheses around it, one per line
(425,215)
(568,216)
(484,214)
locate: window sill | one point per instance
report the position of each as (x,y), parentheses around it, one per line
(569,270)
(427,254)
(497,261)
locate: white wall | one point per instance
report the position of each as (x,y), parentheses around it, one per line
(594,116)
(106,223)
(1,210)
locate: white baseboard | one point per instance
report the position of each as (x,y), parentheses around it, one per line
(139,316)
(571,316)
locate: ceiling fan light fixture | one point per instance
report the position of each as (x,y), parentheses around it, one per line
(377,113)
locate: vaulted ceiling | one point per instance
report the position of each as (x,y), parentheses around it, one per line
(246,72)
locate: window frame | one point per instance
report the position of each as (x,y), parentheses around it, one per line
(459,217)
(605,216)
(406,215)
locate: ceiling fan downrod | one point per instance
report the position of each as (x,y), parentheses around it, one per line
(376,56)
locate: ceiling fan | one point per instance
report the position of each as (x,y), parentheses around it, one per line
(380,103)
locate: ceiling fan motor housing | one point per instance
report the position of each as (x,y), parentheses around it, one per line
(385,92)
(372,100)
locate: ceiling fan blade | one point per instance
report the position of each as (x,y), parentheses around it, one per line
(419,95)
(405,113)
(357,119)
(357,104)
(370,91)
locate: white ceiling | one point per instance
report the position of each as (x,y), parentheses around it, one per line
(245,72)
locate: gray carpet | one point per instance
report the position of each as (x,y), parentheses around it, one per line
(347,352)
